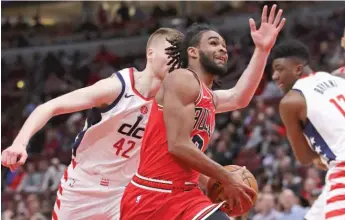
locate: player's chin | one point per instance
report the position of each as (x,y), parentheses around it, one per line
(220,63)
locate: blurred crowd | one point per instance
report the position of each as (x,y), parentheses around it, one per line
(253,137)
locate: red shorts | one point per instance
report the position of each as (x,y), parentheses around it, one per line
(154,199)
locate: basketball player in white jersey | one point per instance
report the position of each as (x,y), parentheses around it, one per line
(313,112)
(105,154)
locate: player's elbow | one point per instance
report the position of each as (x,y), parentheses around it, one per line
(175,147)
(305,160)
(242,103)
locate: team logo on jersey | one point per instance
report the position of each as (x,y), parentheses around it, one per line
(201,120)
(128,95)
(133,130)
(144,109)
(138,199)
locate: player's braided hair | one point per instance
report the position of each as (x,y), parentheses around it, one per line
(174,52)
(178,50)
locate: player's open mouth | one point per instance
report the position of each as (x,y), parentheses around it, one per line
(222,59)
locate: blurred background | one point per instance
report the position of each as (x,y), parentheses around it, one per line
(51,48)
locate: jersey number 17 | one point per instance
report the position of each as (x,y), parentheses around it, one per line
(339,103)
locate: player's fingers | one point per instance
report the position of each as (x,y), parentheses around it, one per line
(246,198)
(13,158)
(22,159)
(272,14)
(4,158)
(264,14)
(281,25)
(277,18)
(250,192)
(231,203)
(252,25)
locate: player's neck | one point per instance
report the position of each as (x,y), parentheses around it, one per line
(206,77)
(307,70)
(146,83)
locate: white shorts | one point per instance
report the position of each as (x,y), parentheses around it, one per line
(330,205)
(87,200)
(316,211)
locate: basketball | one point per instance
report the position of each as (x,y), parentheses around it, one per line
(215,190)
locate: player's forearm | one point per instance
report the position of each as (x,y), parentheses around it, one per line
(190,155)
(251,77)
(38,118)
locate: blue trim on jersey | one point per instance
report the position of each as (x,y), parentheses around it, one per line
(317,141)
(93,117)
(300,91)
(112,105)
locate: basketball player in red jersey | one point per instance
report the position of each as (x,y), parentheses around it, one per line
(181,123)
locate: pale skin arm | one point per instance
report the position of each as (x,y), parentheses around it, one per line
(264,39)
(180,90)
(101,93)
(291,108)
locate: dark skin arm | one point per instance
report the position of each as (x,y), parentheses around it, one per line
(180,90)
(293,111)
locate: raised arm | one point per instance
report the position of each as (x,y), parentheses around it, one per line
(180,90)
(101,93)
(264,39)
(291,108)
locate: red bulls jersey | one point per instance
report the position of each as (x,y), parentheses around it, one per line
(155,160)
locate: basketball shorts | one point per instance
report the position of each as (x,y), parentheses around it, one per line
(330,205)
(146,198)
(86,200)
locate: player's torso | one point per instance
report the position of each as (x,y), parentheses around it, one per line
(108,148)
(325,126)
(156,162)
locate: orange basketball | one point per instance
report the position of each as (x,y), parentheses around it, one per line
(215,190)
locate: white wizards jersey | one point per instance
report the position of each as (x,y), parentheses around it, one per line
(325,125)
(107,151)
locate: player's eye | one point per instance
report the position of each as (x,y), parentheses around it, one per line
(213,43)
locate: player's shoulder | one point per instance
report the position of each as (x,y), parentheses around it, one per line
(118,79)
(294,99)
(182,79)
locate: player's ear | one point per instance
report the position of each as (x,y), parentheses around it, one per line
(193,52)
(149,54)
(299,69)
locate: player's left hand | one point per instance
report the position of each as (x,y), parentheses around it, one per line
(265,37)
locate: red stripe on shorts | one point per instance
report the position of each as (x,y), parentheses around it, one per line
(65,174)
(335,213)
(337,186)
(336,175)
(336,199)
(54,216)
(342,164)
(58,202)
(60,189)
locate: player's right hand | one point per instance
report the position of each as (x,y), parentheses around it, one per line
(238,193)
(14,156)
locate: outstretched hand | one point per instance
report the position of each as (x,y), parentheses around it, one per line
(265,37)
